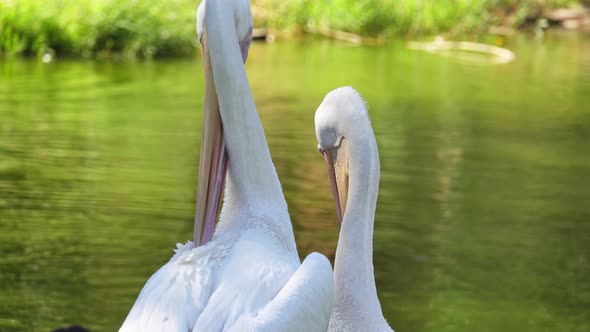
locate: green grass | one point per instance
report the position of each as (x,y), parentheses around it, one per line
(87,27)
(149,28)
(398,17)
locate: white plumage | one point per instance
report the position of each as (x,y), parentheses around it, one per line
(248,277)
(346,139)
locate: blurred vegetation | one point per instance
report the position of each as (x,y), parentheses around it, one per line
(86,27)
(151,28)
(402,17)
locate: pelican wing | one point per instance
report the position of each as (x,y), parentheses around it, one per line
(303,304)
(174,296)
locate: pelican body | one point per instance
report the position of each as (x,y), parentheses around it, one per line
(346,139)
(246,275)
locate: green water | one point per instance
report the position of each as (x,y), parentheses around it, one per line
(483,220)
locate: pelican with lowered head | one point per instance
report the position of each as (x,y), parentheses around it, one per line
(346,139)
(245,275)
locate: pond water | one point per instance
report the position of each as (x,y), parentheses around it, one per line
(483,219)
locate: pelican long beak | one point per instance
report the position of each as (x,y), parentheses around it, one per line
(332,174)
(214,159)
(337,162)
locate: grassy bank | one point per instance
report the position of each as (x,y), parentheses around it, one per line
(402,17)
(142,28)
(148,28)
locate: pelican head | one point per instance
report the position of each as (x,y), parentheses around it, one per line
(347,141)
(213,161)
(336,120)
(242,20)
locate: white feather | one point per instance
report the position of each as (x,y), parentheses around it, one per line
(343,114)
(248,277)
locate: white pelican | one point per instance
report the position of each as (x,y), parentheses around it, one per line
(346,140)
(248,277)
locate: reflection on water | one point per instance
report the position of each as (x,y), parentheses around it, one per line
(483,220)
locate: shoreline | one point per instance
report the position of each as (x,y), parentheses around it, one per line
(144,29)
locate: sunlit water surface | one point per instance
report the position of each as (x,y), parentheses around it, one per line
(483,220)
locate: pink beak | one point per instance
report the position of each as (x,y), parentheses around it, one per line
(332,173)
(214,159)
